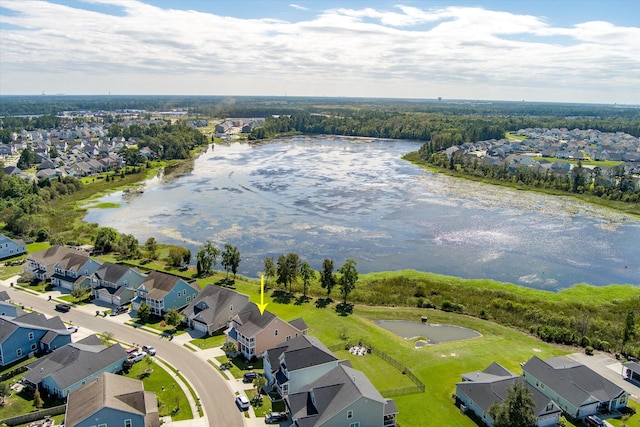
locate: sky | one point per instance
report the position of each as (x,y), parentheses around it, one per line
(542,50)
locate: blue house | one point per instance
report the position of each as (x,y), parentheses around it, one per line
(164,292)
(7,309)
(10,248)
(115,283)
(72,268)
(112,400)
(30,333)
(72,366)
(42,264)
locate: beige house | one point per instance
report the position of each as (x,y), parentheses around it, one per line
(254,333)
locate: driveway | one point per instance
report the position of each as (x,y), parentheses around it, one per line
(212,390)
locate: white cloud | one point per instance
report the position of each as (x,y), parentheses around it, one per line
(454,52)
(297,6)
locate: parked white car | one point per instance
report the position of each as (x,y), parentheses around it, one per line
(242,402)
(136,357)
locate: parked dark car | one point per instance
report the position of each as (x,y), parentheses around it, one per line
(275,417)
(119,310)
(594,421)
(63,307)
(149,350)
(249,377)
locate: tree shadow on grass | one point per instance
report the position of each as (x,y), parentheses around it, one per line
(302,300)
(344,309)
(323,302)
(281,297)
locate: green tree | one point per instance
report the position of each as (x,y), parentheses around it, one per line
(151,247)
(4,391)
(327,277)
(229,348)
(144,312)
(179,256)
(288,269)
(307,274)
(106,239)
(629,329)
(206,258)
(173,318)
(269,269)
(106,338)
(230,259)
(37,399)
(128,245)
(516,410)
(348,278)
(27,158)
(80,293)
(259,382)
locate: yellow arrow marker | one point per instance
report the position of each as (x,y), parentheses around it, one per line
(262,305)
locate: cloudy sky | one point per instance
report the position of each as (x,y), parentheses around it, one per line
(542,50)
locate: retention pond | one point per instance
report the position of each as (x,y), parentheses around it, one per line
(434,333)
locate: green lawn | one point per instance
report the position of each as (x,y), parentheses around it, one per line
(239,365)
(208,342)
(171,399)
(381,374)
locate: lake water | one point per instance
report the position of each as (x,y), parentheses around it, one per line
(435,333)
(339,198)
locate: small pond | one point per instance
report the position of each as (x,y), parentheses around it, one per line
(434,332)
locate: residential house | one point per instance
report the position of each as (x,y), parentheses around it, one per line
(294,364)
(42,264)
(73,269)
(631,372)
(72,366)
(253,333)
(112,400)
(7,309)
(481,389)
(578,390)
(163,292)
(10,248)
(115,283)
(30,333)
(213,308)
(341,397)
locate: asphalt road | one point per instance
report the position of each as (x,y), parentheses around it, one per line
(215,396)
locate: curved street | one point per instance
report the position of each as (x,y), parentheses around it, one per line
(212,390)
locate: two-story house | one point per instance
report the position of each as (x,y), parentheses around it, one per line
(42,264)
(163,292)
(254,333)
(112,400)
(72,269)
(10,248)
(578,390)
(341,397)
(116,284)
(213,308)
(72,366)
(294,364)
(25,335)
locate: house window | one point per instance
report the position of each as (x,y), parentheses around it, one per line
(288,338)
(349,415)
(275,333)
(19,352)
(33,347)
(102,425)
(30,336)
(354,425)
(188,299)
(127,423)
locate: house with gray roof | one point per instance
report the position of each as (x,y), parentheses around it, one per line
(578,390)
(115,283)
(7,309)
(112,400)
(631,372)
(42,264)
(295,363)
(72,266)
(10,248)
(164,292)
(341,397)
(213,308)
(253,332)
(479,390)
(28,334)
(72,366)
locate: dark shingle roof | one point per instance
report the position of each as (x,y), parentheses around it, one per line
(571,380)
(215,305)
(111,273)
(301,352)
(74,362)
(159,284)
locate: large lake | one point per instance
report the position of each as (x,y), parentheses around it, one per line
(338,198)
